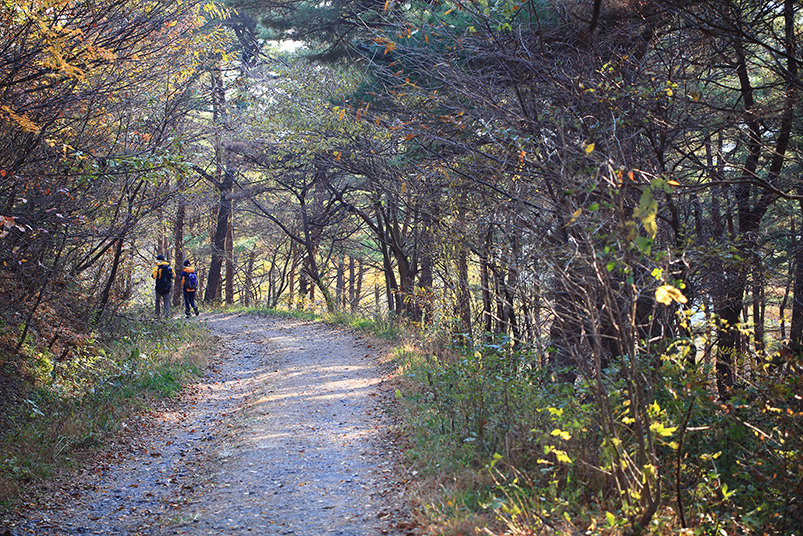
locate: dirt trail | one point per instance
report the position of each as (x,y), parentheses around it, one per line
(284,435)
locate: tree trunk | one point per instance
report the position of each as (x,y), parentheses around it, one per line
(758,306)
(729,315)
(161,239)
(221,178)
(391,286)
(352,282)
(219,246)
(293,270)
(41,294)
(340,282)
(178,247)
(796,325)
(104,298)
(404,305)
(355,303)
(249,281)
(230,257)
(463,292)
(391,290)
(201,278)
(274,286)
(511,288)
(485,282)
(790,279)
(302,286)
(422,301)
(164,247)
(498,278)
(751,211)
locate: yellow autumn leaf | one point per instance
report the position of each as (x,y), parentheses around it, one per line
(563,434)
(21,120)
(589,148)
(562,456)
(649,224)
(666,294)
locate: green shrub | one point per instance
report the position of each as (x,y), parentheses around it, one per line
(543,460)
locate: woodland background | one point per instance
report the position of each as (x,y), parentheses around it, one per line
(589,211)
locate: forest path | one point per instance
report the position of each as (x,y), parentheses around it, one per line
(284,434)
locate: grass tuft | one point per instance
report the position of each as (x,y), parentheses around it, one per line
(388,326)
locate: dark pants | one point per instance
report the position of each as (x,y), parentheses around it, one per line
(163,302)
(189,301)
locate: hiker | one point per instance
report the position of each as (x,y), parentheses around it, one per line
(189,284)
(163,275)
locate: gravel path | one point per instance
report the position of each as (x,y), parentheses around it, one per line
(285,434)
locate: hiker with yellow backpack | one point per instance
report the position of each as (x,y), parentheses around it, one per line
(189,285)
(163,275)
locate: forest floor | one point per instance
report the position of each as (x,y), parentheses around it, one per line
(287,432)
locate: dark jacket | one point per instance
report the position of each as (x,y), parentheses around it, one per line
(157,275)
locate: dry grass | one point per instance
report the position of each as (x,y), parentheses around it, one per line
(440,504)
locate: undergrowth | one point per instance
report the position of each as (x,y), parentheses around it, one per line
(505,449)
(385,326)
(69,405)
